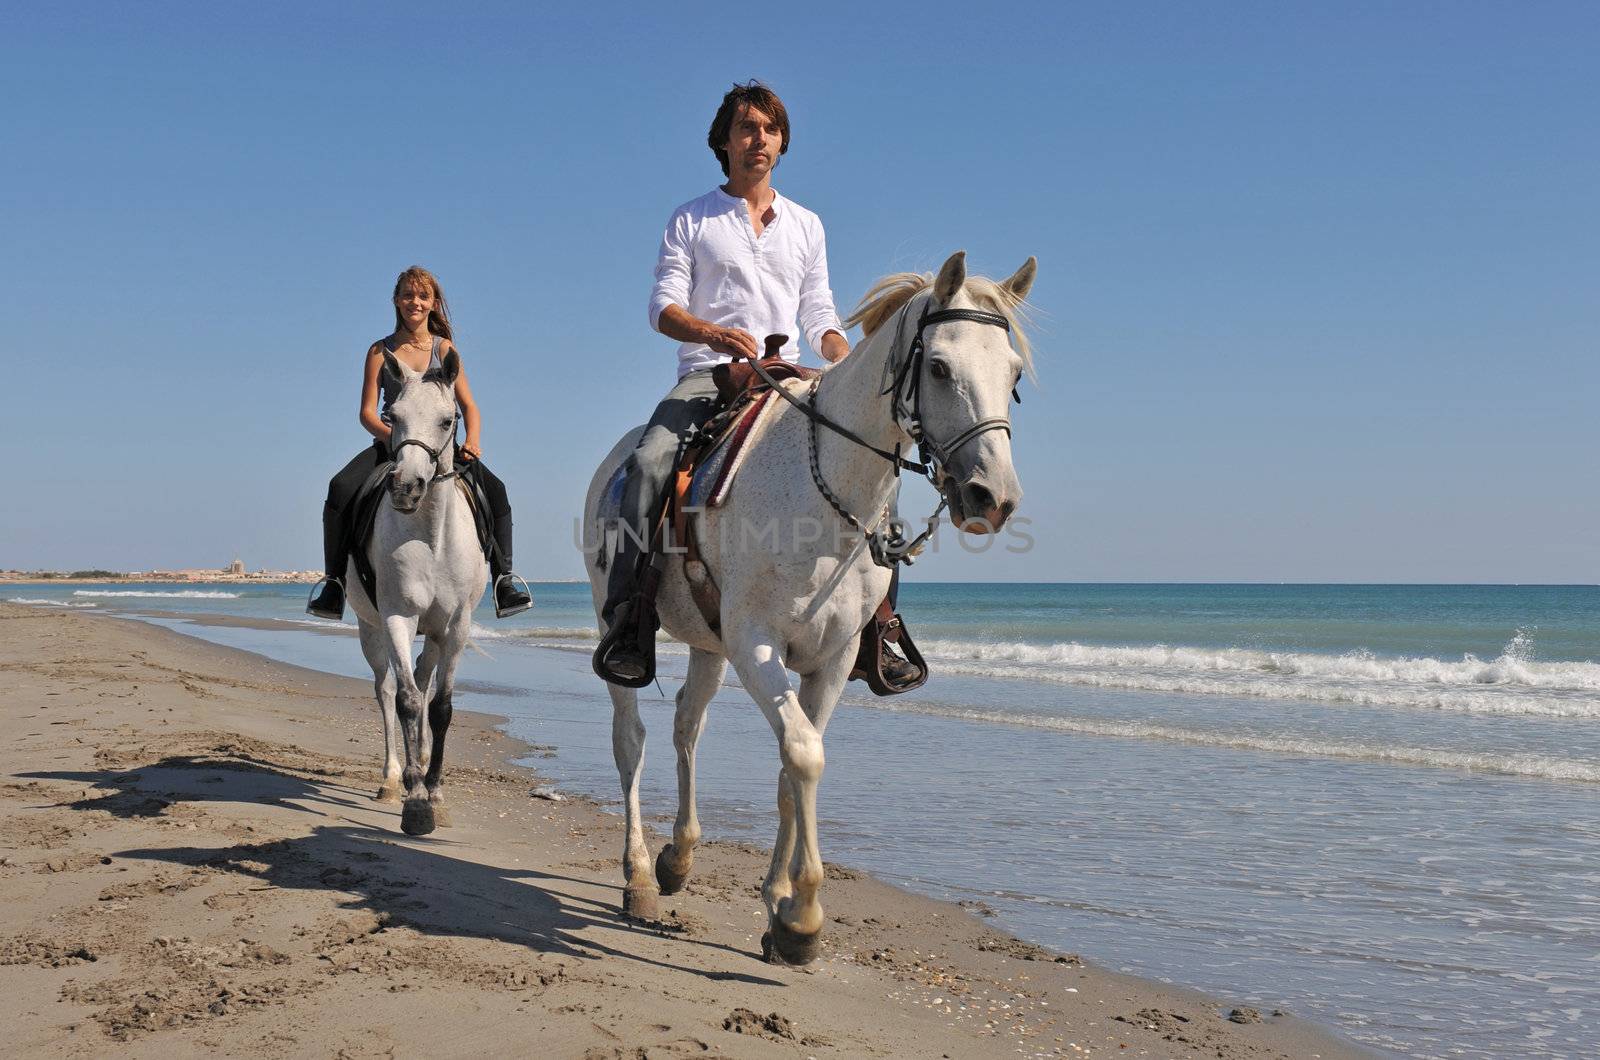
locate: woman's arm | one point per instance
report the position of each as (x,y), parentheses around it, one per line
(472,448)
(369,395)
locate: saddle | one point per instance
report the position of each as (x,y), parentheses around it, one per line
(737,381)
(364,515)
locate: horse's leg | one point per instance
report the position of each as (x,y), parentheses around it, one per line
(776,887)
(704,678)
(427,661)
(375,646)
(440,710)
(639,891)
(819,694)
(416,818)
(795,926)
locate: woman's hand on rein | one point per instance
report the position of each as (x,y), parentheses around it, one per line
(470,451)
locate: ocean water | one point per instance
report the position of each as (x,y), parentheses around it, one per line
(1377,807)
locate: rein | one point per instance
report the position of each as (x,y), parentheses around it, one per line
(889,547)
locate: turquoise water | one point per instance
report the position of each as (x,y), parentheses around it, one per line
(1374,806)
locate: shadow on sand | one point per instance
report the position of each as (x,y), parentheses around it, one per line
(415,882)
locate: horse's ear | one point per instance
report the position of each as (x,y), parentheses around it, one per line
(392,365)
(451,366)
(1022,281)
(951,277)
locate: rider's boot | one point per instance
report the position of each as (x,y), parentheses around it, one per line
(329,603)
(897,669)
(511,596)
(327,596)
(626,655)
(887,669)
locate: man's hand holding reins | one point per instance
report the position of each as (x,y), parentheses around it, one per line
(735,342)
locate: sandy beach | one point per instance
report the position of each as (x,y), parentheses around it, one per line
(192,863)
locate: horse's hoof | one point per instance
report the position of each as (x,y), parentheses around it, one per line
(639,903)
(670,879)
(441,815)
(782,946)
(389,793)
(417,818)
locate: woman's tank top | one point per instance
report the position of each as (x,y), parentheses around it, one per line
(389,386)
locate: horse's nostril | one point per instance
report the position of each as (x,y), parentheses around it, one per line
(977,498)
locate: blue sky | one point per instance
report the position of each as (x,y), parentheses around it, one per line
(1317,294)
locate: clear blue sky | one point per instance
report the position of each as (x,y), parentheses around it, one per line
(1319,292)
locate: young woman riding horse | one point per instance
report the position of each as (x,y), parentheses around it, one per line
(420,341)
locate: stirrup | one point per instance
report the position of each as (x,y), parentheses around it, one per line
(518,609)
(630,620)
(869,657)
(316,591)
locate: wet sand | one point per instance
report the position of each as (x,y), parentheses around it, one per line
(192,862)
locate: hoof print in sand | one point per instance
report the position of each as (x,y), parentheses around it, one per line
(772,1025)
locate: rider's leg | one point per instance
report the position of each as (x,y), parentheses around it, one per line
(509,598)
(649,468)
(329,602)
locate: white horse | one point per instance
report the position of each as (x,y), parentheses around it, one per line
(944,374)
(430,574)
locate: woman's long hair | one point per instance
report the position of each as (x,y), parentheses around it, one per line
(439,316)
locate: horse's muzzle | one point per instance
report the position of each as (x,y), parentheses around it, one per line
(406,498)
(976,509)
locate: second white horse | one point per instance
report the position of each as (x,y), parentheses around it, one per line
(430,574)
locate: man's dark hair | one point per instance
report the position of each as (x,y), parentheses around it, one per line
(750,94)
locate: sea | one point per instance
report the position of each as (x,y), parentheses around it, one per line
(1376,807)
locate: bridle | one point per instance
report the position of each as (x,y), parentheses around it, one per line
(906,385)
(888,545)
(433,454)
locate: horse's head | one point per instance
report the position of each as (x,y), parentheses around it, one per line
(423,419)
(967,373)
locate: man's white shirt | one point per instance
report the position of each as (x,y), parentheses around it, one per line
(713,265)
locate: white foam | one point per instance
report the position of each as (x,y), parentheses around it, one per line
(46,603)
(1522,765)
(321,623)
(182,594)
(1511,684)
(547,633)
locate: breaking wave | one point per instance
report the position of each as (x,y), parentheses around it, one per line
(46,603)
(1549,767)
(181,594)
(536,633)
(1511,684)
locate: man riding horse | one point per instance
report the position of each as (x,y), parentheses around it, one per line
(739,262)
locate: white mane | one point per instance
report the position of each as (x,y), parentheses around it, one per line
(888,295)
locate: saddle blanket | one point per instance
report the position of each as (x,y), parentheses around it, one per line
(714,474)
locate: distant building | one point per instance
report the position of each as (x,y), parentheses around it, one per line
(236,567)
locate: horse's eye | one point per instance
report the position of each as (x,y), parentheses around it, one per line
(444,424)
(939,369)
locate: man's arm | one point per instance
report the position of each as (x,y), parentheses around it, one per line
(670,296)
(818,318)
(676,323)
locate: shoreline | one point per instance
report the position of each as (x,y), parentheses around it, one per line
(251,784)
